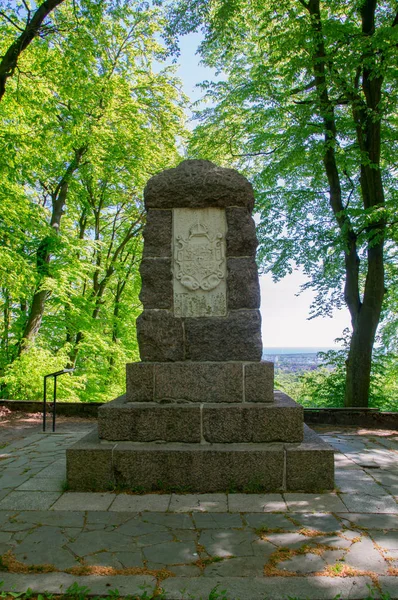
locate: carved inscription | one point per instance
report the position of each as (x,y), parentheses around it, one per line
(199,265)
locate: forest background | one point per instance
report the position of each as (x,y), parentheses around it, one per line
(305,104)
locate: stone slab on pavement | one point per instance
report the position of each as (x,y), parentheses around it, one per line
(84,501)
(275,588)
(243,503)
(198,503)
(136,503)
(363,503)
(28,500)
(329,502)
(58,583)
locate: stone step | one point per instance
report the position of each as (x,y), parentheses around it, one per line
(98,465)
(200,381)
(279,421)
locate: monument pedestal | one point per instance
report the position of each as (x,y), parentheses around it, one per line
(200,413)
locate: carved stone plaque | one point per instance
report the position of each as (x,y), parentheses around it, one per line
(199,263)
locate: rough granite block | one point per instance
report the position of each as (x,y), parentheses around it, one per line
(157,287)
(199,468)
(139,382)
(310,465)
(281,421)
(160,336)
(157,234)
(89,464)
(199,382)
(242,283)
(198,184)
(235,337)
(259,381)
(241,236)
(149,422)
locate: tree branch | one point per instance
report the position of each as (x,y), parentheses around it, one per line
(32,29)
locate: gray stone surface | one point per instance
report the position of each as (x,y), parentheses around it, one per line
(259,385)
(275,588)
(157,234)
(242,283)
(364,556)
(235,337)
(198,184)
(89,464)
(134,503)
(28,500)
(148,422)
(172,553)
(139,383)
(256,503)
(208,520)
(156,283)
(199,382)
(241,235)
(199,468)
(84,501)
(372,504)
(313,502)
(252,423)
(310,466)
(198,503)
(303,563)
(160,336)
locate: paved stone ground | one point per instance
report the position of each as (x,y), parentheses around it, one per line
(274,546)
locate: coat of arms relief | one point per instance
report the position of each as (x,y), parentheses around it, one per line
(199,262)
(199,259)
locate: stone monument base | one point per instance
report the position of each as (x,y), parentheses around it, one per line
(272,451)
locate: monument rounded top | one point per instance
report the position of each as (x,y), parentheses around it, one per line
(198,184)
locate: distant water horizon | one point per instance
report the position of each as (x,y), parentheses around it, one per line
(298,349)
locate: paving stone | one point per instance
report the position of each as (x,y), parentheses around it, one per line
(256,503)
(369,504)
(12,479)
(42,484)
(172,553)
(316,502)
(44,547)
(364,556)
(217,521)
(370,521)
(4,493)
(263,549)
(84,501)
(334,541)
(303,563)
(173,520)
(224,543)
(291,540)
(331,557)
(138,527)
(29,500)
(275,588)
(387,540)
(57,470)
(105,518)
(365,485)
(147,502)
(130,559)
(269,521)
(320,522)
(151,539)
(103,559)
(181,570)
(60,519)
(90,542)
(389,585)
(248,566)
(198,502)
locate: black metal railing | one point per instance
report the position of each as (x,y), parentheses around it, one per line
(54,402)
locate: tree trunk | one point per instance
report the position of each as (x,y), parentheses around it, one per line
(43,255)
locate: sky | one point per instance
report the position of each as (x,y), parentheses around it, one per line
(284,313)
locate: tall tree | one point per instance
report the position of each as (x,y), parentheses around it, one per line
(308,108)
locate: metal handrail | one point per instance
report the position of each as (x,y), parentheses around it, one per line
(55,375)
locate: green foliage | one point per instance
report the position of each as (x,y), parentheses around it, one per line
(324,387)
(91,114)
